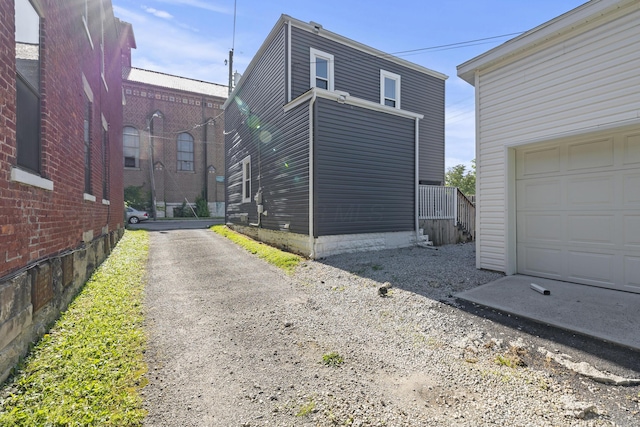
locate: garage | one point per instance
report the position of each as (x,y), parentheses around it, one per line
(578,210)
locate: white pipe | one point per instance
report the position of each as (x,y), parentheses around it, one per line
(311,218)
(289,61)
(417,180)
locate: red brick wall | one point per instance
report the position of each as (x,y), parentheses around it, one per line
(36,223)
(172,186)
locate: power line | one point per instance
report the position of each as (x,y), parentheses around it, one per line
(457,45)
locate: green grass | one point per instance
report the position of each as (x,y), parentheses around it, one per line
(281,259)
(87,371)
(332,359)
(306,409)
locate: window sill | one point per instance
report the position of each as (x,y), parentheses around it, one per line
(129,168)
(89,197)
(106,202)
(28,178)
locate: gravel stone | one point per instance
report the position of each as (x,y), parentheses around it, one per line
(236,342)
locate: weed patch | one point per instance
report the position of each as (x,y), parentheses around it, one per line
(281,259)
(306,409)
(89,368)
(332,359)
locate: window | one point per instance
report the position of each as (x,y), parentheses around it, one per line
(321,69)
(105,163)
(85,21)
(27,86)
(185,152)
(87,146)
(389,89)
(131,147)
(246,179)
(102,53)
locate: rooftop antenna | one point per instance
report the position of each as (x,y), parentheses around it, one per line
(233,45)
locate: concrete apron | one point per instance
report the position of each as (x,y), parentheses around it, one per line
(606,314)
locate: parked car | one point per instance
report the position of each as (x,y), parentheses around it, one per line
(134,216)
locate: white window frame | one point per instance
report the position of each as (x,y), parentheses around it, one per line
(85,21)
(396,78)
(246,179)
(314,54)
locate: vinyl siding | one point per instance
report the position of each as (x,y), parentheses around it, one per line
(364,170)
(585,82)
(277,143)
(358,73)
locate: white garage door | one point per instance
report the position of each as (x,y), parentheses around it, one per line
(578,210)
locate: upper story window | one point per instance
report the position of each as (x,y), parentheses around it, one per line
(389,89)
(185,152)
(102,48)
(85,20)
(27,86)
(131,147)
(87,145)
(321,69)
(246,179)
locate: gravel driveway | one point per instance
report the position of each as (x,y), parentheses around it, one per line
(237,342)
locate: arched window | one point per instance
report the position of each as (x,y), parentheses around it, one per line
(185,152)
(131,147)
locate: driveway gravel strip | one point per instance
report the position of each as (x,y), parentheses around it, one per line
(236,342)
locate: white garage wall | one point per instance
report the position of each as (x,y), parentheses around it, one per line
(572,85)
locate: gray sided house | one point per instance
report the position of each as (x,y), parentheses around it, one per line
(327,141)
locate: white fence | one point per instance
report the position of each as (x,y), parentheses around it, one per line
(436,202)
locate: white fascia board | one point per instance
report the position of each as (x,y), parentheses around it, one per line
(320,31)
(575,20)
(345,98)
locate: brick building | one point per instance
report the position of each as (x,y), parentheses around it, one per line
(182,120)
(61,191)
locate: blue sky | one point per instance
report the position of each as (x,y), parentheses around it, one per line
(192,38)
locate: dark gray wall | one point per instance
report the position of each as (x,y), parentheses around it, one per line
(256,125)
(364,170)
(358,73)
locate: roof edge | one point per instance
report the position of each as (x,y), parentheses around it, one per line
(564,24)
(286,19)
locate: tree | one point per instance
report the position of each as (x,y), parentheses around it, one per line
(458,176)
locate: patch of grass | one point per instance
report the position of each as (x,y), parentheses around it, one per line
(332,359)
(513,358)
(281,259)
(306,408)
(89,368)
(376,267)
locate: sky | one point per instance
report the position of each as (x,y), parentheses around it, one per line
(192,38)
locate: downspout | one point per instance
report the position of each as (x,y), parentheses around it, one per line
(417,181)
(289,61)
(311,177)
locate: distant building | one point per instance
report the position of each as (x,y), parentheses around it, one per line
(61,191)
(173,134)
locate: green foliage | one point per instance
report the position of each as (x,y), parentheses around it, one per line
(137,198)
(202,208)
(183,211)
(88,369)
(306,409)
(458,176)
(332,359)
(281,259)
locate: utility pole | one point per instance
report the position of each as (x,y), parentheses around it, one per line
(230,71)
